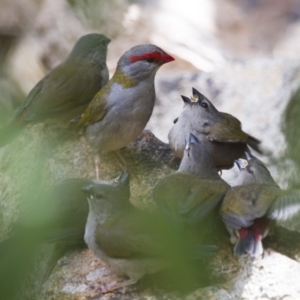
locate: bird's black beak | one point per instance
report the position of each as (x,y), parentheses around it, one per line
(198,95)
(193,139)
(249,156)
(123,178)
(87,189)
(186,99)
(238,163)
(187,145)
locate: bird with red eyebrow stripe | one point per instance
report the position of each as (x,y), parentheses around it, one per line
(120,111)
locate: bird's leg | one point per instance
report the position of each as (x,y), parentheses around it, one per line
(97,164)
(115,286)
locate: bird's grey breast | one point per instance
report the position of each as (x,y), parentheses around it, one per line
(128,111)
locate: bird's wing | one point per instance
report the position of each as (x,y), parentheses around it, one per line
(202,199)
(254,143)
(243,204)
(61,90)
(97,109)
(228,131)
(234,208)
(133,235)
(235,221)
(185,198)
(285,206)
(170,192)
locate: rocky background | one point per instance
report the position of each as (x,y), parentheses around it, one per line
(242,54)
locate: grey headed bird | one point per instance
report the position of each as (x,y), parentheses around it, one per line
(132,241)
(64,93)
(220,132)
(121,109)
(190,196)
(249,208)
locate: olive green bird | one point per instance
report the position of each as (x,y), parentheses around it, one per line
(136,242)
(249,208)
(190,196)
(120,111)
(64,93)
(220,132)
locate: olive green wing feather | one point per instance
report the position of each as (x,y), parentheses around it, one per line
(169,193)
(133,235)
(202,199)
(184,198)
(243,204)
(65,87)
(229,130)
(97,108)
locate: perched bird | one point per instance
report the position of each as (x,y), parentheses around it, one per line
(57,215)
(121,109)
(249,208)
(220,132)
(190,196)
(64,93)
(132,241)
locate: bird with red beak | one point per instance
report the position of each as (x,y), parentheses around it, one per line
(121,109)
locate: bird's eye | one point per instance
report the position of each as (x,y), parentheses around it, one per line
(150,60)
(98,196)
(204,104)
(250,170)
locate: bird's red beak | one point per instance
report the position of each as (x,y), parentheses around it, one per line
(165,58)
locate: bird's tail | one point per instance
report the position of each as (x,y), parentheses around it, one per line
(11,131)
(254,144)
(248,245)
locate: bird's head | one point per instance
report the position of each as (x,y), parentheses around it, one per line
(143,61)
(201,109)
(92,46)
(252,170)
(108,195)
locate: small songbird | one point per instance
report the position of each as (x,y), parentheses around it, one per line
(64,93)
(249,207)
(131,241)
(191,195)
(121,109)
(58,216)
(220,132)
